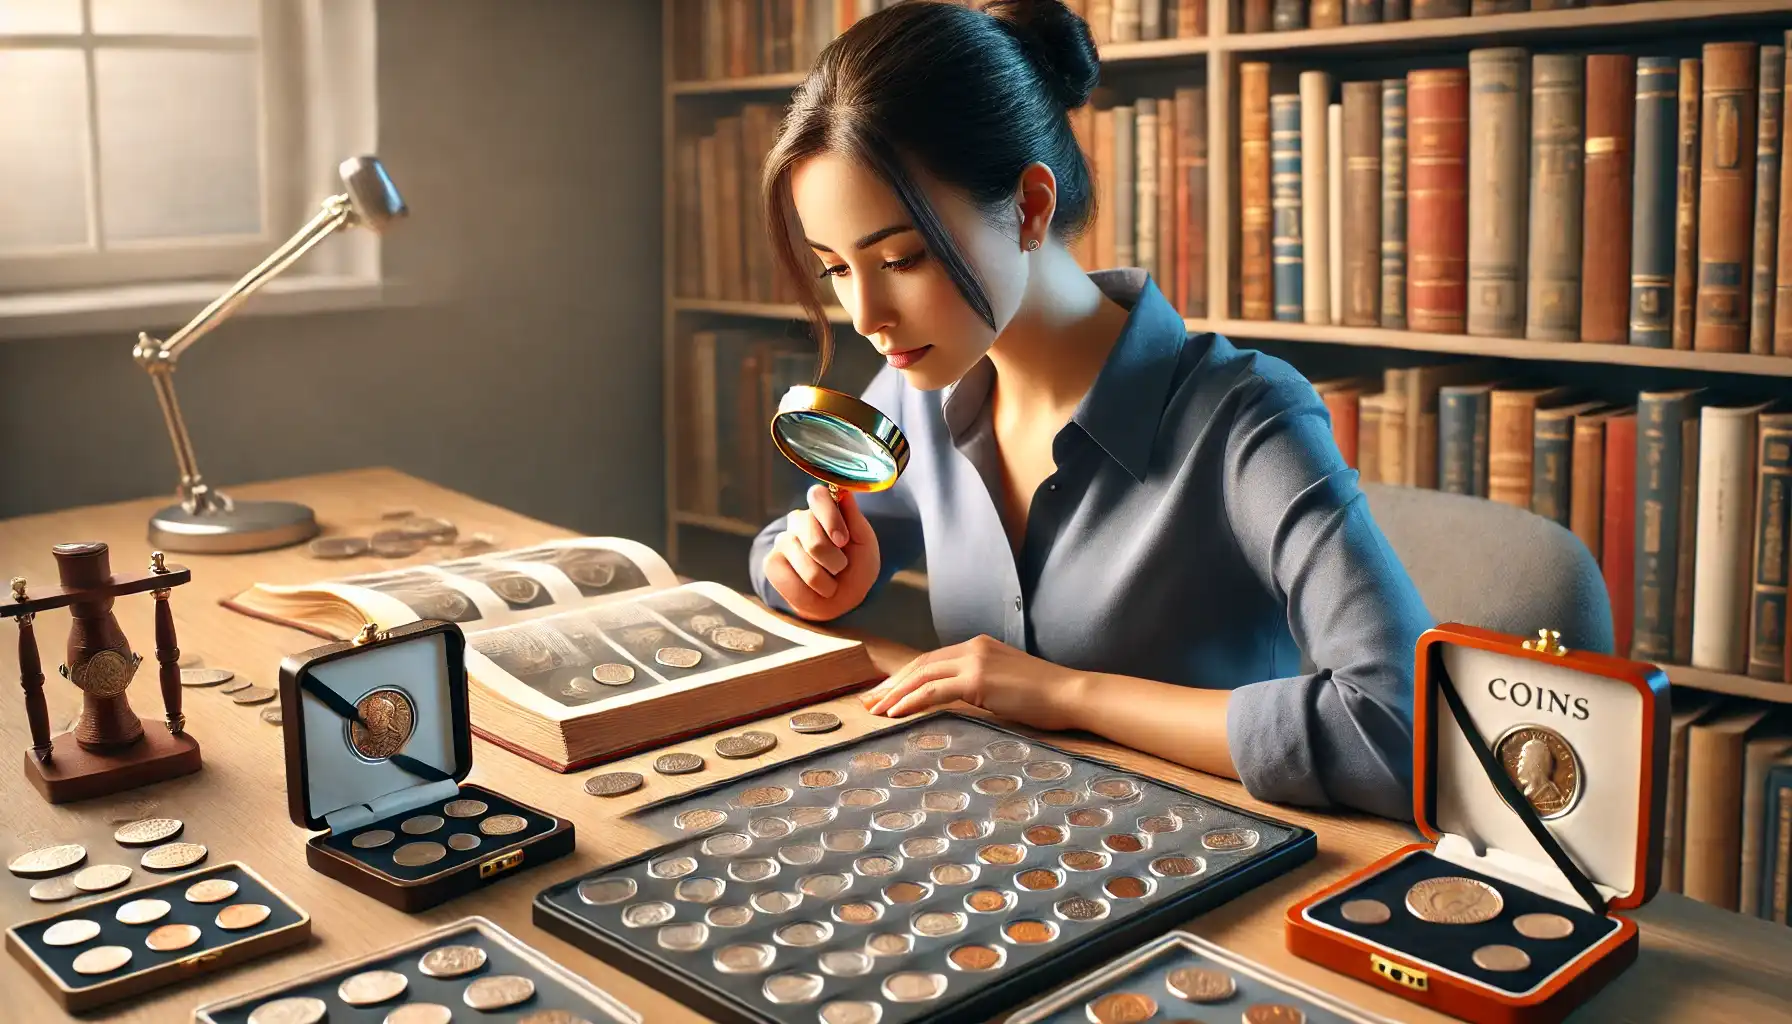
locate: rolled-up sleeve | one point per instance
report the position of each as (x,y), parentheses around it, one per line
(1341,734)
(892,513)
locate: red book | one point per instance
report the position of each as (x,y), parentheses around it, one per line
(1437,200)
(1618,559)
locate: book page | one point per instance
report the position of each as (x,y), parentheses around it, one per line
(641,647)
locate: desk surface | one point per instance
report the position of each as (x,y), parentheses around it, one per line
(1697,962)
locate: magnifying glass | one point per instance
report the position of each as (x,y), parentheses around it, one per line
(839,439)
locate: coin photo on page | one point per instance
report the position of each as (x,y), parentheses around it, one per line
(718,627)
(593,570)
(518,590)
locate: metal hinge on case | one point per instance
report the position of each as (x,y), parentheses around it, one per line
(1411,977)
(1549,641)
(369,633)
(498,865)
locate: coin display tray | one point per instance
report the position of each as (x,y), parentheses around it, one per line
(870,825)
(1144,971)
(148,969)
(1451,947)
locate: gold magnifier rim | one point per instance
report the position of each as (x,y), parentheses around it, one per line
(856,413)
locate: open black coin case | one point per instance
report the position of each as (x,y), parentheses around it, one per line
(556,988)
(147,969)
(380,857)
(840,827)
(1452,946)
(1146,972)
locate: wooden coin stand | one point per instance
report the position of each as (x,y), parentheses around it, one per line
(378,745)
(109,749)
(1539,774)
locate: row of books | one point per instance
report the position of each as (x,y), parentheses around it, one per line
(722,248)
(1645,209)
(1681,496)
(1292,15)
(1727,837)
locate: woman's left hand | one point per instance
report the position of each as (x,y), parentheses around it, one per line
(987,673)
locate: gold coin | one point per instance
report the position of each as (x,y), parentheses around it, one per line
(147,832)
(51,860)
(464,808)
(677,657)
(1038,879)
(463,841)
(1365,912)
(371,987)
(1544,767)
(212,890)
(71,933)
(1082,908)
(205,676)
(415,855)
(254,695)
(932,741)
(173,856)
(699,819)
(1454,900)
(451,961)
(1230,840)
(1200,984)
(102,960)
(419,1013)
(986,901)
(292,1010)
(1543,926)
(239,916)
(386,718)
(678,763)
(503,824)
(372,839)
(51,890)
(614,783)
(872,761)
(905,892)
(751,743)
(421,824)
(975,958)
(1502,958)
(142,911)
(814,722)
(170,937)
(1122,1008)
(1001,853)
(101,877)
(734,638)
(498,991)
(1028,933)
(1273,1013)
(821,778)
(966,828)
(614,673)
(1084,860)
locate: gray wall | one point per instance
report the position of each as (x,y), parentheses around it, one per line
(525,137)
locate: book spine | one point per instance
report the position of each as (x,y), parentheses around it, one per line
(1552,441)
(1483,7)
(1253,183)
(1362,12)
(1168,231)
(1342,406)
(1106,186)
(1315,97)
(1362,203)
(1422,9)
(1151,19)
(1256,15)
(1191,158)
(1652,221)
(1552,303)
(1393,204)
(1499,106)
(1556,5)
(1767,611)
(1767,198)
(1126,21)
(1617,559)
(1657,483)
(1782,308)
(1126,121)
(1511,449)
(1726,197)
(1144,178)
(1456,441)
(1395,10)
(1334,208)
(1586,490)
(1288,15)
(1368,438)
(1285,204)
(1326,13)
(1686,550)
(1605,214)
(1686,204)
(1437,215)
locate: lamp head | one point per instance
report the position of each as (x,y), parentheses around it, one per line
(375,199)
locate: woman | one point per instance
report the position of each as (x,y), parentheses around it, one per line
(1128,530)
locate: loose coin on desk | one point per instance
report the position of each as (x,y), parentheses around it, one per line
(503,824)
(205,676)
(394,544)
(337,547)
(751,743)
(147,832)
(51,860)
(101,877)
(255,695)
(678,763)
(371,987)
(52,890)
(451,961)
(272,715)
(1201,984)
(173,856)
(235,685)
(293,1010)
(814,721)
(613,783)
(1122,1008)
(1454,900)
(238,916)
(498,991)
(465,808)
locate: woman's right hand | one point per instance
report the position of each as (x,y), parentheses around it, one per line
(826,560)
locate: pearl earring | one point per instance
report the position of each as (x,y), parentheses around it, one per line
(1032,244)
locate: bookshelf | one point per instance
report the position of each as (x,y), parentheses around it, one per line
(1215,57)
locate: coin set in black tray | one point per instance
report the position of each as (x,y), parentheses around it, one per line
(941,870)
(1505,936)
(136,940)
(436,838)
(468,969)
(1182,977)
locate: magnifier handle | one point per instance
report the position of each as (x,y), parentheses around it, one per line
(834,492)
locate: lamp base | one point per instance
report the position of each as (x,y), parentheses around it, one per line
(247,526)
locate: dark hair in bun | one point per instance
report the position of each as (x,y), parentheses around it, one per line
(972,97)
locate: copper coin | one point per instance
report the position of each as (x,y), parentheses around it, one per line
(1044,835)
(1177,867)
(71,932)
(975,958)
(905,892)
(1038,879)
(421,824)
(1084,860)
(1124,842)
(273,715)
(101,877)
(1454,900)
(498,991)
(170,937)
(1058,797)
(1122,1008)
(987,901)
(1001,853)
(677,657)
(960,763)
(821,778)
(1028,932)
(613,673)
(52,890)
(415,855)
(1201,984)
(291,1010)
(698,819)
(996,785)
(205,676)
(814,722)
(212,890)
(1273,1013)
(147,832)
(966,828)
(1115,788)
(1088,817)
(254,695)
(912,778)
(142,911)
(503,824)
(1502,958)
(1082,908)
(1543,926)
(102,960)
(764,796)
(1230,840)
(1365,912)
(464,808)
(372,838)
(337,547)
(236,685)
(932,741)
(1125,887)
(1156,823)
(747,744)
(451,961)
(1046,771)
(858,913)
(51,860)
(679,763)
(385,720)
(1544,767)
(369,987)
(862,798)
(463,841)
(238,916)
(436,1013)
(923,846)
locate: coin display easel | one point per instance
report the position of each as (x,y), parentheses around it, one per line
(110,749)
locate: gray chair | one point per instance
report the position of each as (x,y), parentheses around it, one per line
(1488,564)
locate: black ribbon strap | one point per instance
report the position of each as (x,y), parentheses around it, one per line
(338,703)
(1496,773)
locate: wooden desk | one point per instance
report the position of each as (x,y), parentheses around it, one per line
(1698,963)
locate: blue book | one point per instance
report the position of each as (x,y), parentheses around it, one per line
(1284,199)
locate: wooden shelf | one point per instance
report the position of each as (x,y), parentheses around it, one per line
(1723,682)
(764,310)
(783,81)
(742,528)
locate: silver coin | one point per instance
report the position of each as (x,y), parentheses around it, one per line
(601,892)
(744,958)
(71,932)
(421,824)
(793,987)
(844,963)
(614,673)
(914,986)
(646,915)
(699,890)
(728,917)
(683,938)
(53,890)
(676,866)
(851,1011)
(371,839)
(205,676)
(291,1010)
(677,657)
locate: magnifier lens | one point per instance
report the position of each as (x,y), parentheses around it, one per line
(836,447)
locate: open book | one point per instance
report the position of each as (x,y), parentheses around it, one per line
(583,650)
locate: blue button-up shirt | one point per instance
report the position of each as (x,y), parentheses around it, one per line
(1201,528)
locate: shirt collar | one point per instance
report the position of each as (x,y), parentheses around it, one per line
(1122,409)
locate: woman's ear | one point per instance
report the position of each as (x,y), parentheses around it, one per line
(1036,199)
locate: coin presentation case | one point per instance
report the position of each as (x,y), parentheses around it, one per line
(215,947)
(555,987)
(944,869)
(1151,972)
(1510,934)
(377,750)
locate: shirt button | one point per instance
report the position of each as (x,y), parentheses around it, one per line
(1017,604)
(1051,486)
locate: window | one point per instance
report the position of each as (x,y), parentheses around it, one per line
(154,142)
